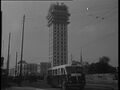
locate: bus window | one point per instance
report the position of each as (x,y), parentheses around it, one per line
(50,72)
(74,69)
(62,71)
(59,71)
(55,71)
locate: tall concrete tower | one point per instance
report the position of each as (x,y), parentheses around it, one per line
(58,19)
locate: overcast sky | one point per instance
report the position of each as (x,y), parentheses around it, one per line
(93,27)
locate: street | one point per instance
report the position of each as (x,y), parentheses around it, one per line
(31,88)
(44,86)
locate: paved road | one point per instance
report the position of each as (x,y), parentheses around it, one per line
(88,87)
(42,85)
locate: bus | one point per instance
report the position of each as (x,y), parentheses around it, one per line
(67,77)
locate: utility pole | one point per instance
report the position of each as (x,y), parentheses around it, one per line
(2,54)
(22,48)
(81,57)
(2,50)
(2,57)
(8,54)
(16,65)
(71,58)
(1,31)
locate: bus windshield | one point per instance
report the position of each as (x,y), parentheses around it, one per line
(74,69)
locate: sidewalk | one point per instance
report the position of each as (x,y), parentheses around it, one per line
(110,87)
(26,85)
(20,88)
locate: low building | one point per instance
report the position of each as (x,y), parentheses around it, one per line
(44,67)
(12,72)
(27,68)
(32,68)
(24,68)
(38,68)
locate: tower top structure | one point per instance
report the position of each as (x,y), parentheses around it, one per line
(58,13)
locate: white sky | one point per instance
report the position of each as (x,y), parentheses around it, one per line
(93,27)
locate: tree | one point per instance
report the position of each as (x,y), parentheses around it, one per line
(104,59)
(102,66)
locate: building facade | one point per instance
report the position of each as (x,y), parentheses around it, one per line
(27,68)
(32,68)
(24,68)
(12,72)
(58,19)
(44,66)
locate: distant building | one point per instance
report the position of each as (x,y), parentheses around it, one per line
(58,19)
(12,72)
(24,68)
(44,67)
(27,68)
(32,68)
(38,69)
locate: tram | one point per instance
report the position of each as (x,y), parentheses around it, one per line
(67,77)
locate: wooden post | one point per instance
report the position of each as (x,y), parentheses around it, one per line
(8,54)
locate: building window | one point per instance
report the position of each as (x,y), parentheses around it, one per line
(65,57)
(64,49)
(61,49)
(61,62)
(54,52)
(62,71)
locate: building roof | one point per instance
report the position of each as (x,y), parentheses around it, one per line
(58,6)
(65,65)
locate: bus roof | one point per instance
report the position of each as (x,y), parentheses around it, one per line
(63,66)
